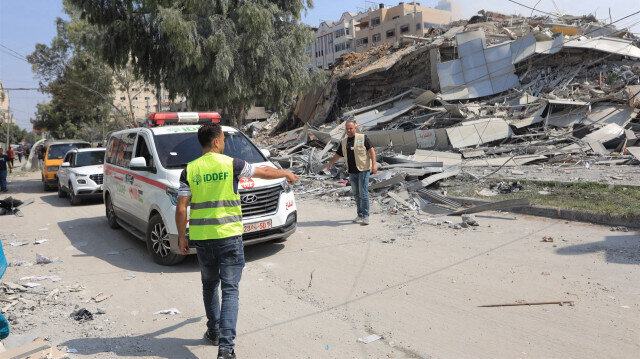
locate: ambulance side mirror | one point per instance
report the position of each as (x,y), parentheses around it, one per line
(140,164)
(266,152)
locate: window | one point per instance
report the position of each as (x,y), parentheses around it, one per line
(112,147)
(147,98)
(135,98)
(375,21)
(339,33)
(404,29)
(176,150)
(391,33)
(92,158)
(133,89)
(418,26)
(147,107)
(429,24)
(362,42)
(146,89)
(122,98)
(124,150)
(375,38)
(343,46)
(347,31)
(395,17)
(67,158)
(142,150)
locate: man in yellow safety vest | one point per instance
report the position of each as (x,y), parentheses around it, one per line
(210,185)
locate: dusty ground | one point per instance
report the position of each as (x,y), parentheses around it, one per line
(333,282)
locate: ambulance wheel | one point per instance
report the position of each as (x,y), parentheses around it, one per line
(111,213)
(158,243)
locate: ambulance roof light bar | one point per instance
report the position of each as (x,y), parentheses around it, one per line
(182,118)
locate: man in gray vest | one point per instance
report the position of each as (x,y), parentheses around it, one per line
(361,162)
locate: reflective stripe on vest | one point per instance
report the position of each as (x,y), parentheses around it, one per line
(215,207)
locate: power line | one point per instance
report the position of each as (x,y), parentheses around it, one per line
(533,8)
(15,52)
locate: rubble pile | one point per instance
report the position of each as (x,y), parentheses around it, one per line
(493,92)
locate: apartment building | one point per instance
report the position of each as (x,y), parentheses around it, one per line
(359,32)
(143,100)
(334,39)
(5,115)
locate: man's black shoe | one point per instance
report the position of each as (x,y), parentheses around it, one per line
(226,354)
(212,337)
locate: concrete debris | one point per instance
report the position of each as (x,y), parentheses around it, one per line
(82,315)
(486,94)
(172,311)
(369,339)
(40,259)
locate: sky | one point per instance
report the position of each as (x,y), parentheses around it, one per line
(24,23)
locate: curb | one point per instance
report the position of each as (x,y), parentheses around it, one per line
(629,221)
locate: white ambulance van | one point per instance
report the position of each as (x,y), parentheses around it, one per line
(142,176)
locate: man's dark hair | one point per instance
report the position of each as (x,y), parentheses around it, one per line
(208,132)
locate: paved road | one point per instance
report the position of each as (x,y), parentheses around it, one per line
(333,282)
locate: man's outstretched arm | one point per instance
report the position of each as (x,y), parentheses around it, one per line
(272,173)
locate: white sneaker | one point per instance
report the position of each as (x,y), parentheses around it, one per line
(357,220)
(365,221)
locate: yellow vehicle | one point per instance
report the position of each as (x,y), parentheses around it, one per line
(54,152)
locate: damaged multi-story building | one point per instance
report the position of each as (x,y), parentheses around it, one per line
(373,27)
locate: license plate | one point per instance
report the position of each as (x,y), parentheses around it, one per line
(258,226)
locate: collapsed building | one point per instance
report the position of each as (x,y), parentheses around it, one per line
(494,91)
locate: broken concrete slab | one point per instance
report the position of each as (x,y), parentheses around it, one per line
(477,132)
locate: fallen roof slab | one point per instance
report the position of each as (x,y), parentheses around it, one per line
(607,133)
(605,44)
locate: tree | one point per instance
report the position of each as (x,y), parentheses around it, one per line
(220,54)
(80,84)
(16,134)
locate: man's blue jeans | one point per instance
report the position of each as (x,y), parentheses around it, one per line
(3,179)
(221,261)
(360,190)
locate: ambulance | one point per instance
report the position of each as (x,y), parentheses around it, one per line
(141,179)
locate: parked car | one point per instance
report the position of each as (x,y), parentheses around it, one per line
(81,173)
(54,152)
(142,176)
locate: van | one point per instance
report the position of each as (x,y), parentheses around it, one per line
(142,176)
(54,152)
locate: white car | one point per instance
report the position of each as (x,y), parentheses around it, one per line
(142,176)
(81,173)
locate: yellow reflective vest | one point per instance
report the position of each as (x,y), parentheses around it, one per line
(215,207)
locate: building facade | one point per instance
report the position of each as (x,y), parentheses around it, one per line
(374,27)
(5,114)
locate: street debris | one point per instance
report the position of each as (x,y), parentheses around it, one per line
(369,339)
(620,229)
(53,278)
(82,315)
(40,259)
(100,297)
(523,303)
(40,241)
(10,205)
(172,311)
(547,239)
(130,276)
(17,244)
